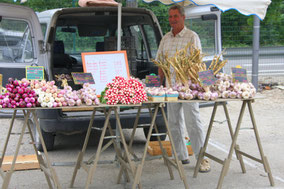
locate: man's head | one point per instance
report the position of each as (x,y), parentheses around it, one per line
(176,18)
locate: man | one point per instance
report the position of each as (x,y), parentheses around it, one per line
(182,114)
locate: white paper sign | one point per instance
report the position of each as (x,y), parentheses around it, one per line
(104,66)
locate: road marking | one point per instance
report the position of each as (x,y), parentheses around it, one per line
(222,147)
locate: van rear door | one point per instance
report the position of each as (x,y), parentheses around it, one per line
(21,41)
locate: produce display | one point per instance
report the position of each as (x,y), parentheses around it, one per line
(18,95)
(124,91)
(60,77)
(185,66)
(24,93)
(49,95)
(186,63)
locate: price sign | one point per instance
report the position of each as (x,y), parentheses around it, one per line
(239,75)
(81,78)
(207,78)
(104,66)
(35,72)
(152,81)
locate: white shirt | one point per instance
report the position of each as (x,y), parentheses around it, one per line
(170,44)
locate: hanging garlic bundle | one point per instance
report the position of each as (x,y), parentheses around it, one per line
(187,62)
(163,63)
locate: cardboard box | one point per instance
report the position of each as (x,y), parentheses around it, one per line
(156,98)
(154,148)
(171,97)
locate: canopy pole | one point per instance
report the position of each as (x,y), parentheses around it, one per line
(255,51)
(119,27)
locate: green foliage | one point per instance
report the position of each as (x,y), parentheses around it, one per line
(102,99)
(160,10)
(237,29)
(41,5)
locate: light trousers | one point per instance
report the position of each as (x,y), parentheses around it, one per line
(187,115)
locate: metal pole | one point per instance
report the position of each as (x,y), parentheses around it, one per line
(119,27)
(255,52)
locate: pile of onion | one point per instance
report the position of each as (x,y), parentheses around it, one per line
(88,95)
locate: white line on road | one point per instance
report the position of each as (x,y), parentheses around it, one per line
(221,147)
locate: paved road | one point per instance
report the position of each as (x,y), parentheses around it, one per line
(271,61)
(155,174)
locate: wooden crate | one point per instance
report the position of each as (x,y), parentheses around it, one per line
(154,148)
(23,162)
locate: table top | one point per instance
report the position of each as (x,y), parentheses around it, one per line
(89,108)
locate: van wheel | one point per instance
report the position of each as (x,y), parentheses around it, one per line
(161,129)
(47,137)
(48,140)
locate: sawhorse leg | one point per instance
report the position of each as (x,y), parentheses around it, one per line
(39,156)
(139,168)
(177,163)
(264,160)
(82,153)
(234,146)
(47,165)
(44,167)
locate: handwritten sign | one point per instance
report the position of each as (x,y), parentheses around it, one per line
(239,75)
(152,81)
(1,83)
(35,72)
(81,78)
(104,66)
(207,78)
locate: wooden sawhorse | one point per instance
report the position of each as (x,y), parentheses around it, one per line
(234,146)
(45,164)
(168,162)
(91,164)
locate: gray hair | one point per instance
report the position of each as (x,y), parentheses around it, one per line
(177,7)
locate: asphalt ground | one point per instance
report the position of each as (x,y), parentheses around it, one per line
(269,117)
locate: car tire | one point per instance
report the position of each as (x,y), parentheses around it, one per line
(161,129)
(47,137)
(48,140)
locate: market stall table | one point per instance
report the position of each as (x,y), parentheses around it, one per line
(44,161)
(234,146)
(128,167)
(233,134)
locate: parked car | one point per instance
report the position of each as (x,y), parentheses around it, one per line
(58,37)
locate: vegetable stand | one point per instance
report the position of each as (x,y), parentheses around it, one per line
(128,166)
(234,146)
(44,162)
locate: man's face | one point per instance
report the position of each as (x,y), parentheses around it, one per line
(176,20)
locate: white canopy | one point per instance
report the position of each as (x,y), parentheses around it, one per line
(246,7)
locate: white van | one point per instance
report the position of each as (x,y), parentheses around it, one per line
(68,32)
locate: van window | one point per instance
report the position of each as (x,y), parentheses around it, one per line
(43,28)
(153,45)
(74,43)
(15,41)
(150,38)
(206,31)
